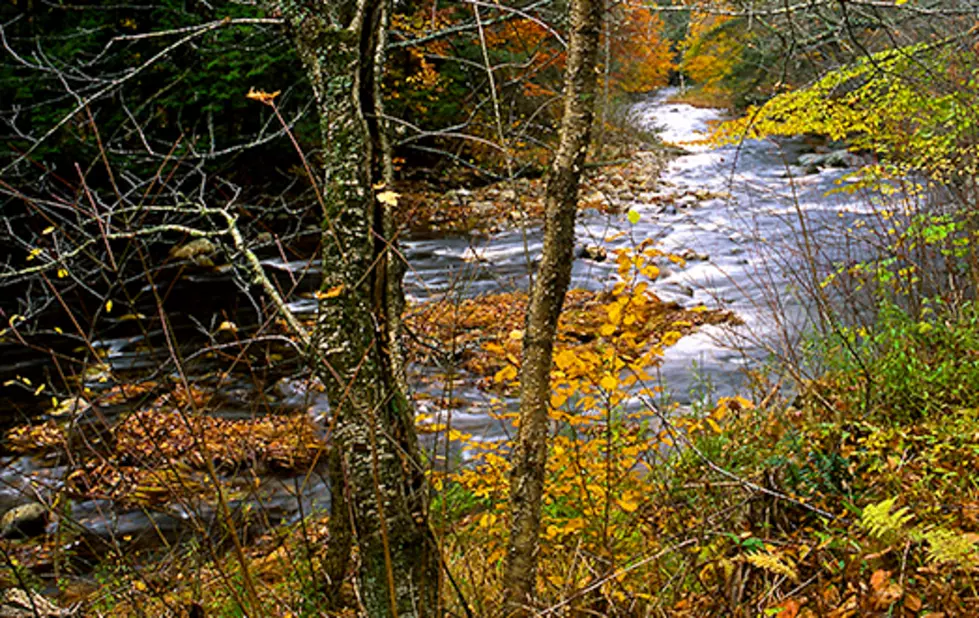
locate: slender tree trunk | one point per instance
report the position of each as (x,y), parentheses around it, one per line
(547,299)
(378,469)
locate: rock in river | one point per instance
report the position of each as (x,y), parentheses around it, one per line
(592,252)
(24,521)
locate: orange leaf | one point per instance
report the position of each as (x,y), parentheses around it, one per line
(790,609)
(912,602)
(331,293)
(879,578)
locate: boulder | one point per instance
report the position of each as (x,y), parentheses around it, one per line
(16,603)
(199,250)
(595,253)
(687,201)
(811,160)
(692,256)
(24,521)
(837,158)
(842,158)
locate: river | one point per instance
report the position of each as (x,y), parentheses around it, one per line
(745,247)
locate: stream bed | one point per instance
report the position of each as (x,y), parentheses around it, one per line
(734,212)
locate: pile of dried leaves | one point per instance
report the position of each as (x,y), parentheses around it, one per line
(481,335)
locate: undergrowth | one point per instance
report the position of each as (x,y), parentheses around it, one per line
(831,502)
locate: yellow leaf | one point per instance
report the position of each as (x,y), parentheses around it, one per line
(608,382)
(614,313)
(108,306)
(565,359)
(388,198)
(331,293)
(650,271)
(516,334)
(62,273)
(558,400)
(507,373)
(607,330)
(494,348)
(628,503)
(48,230)
(266,98)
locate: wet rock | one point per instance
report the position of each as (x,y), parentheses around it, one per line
(596,253)
(17,603)
(692,256)
(199,250)
(595,198)
(687,201)
(73,406)
(842,158)
(24,521)
(836,158)
(811,160)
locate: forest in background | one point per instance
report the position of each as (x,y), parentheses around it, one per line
(222,188)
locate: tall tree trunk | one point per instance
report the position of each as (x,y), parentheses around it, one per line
(547,299)
(381,477)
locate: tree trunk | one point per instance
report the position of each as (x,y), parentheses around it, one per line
(547,298)
(382,479)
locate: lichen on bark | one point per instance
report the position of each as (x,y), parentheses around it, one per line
(378,467)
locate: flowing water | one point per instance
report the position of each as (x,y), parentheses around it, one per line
(746,246)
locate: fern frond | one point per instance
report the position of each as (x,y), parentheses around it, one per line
(946,546)
(773,563)
(880,521)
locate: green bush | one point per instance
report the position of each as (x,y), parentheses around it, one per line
(916,368)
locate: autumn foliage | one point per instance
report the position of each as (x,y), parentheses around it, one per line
(642,57)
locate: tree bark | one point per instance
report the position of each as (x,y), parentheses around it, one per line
(381,479)
(547,299)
